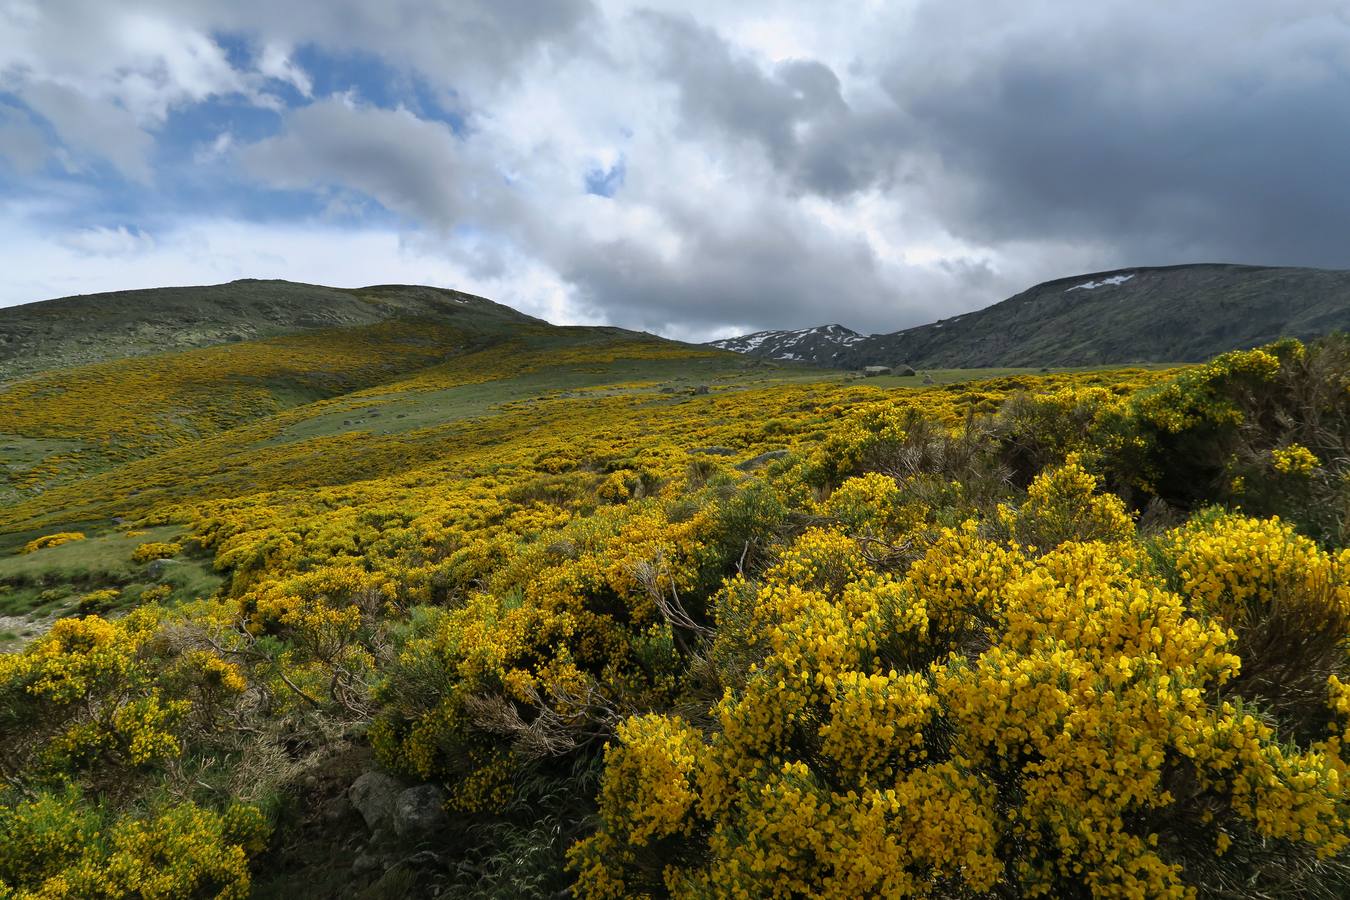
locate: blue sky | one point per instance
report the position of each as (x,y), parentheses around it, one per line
(692,168)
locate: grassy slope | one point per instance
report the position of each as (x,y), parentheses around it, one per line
(476,411)
(76,331)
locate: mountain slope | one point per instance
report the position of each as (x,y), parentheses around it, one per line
(827,342)
(94,328)
(1165,314)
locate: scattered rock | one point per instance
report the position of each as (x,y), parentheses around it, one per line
(420,812)
(714,451)
(373,794)
(667,390)
(337,809)
(904,371)
(928,379)
(701,389)
(755,462)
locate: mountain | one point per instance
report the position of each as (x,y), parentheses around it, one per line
(92,328)
(826,342)
(1152,314)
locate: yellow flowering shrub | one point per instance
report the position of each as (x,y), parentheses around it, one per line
(1067,733)
(1295,459)
(1063,505)
(51,540)
(1236,568)
(152,550)
(56,846)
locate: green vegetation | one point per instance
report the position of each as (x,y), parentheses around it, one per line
(623,617)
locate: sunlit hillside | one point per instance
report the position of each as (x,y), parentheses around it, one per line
(410,608)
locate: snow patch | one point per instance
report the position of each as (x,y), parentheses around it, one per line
(1093,285)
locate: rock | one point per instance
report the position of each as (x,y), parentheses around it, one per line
(337,809)
(701,389)
(420,812)
(366,862)
(373,794)
(755,462)
(158,567)
(714,451)
(904,371)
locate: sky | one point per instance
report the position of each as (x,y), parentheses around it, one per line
(697,169)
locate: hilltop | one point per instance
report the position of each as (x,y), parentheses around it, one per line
(91,328)
(1149,314)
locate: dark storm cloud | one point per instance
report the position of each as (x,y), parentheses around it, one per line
(795,111)
(1169,140)
(772,273)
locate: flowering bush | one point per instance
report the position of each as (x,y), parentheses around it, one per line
(51,540)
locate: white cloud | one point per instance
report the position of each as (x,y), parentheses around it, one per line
(112,242)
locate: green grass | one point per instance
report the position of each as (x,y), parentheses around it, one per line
(53,579)
(403,411)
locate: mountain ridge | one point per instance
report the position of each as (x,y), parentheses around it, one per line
(1178,313)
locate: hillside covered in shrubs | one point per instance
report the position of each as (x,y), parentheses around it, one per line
(1060,635)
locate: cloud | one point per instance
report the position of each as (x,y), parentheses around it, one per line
(115,242)
(22,143)
(1172,136)
(92,129)
(684,166)
(794,109)
(412,166)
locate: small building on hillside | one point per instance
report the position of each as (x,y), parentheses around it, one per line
(872,371)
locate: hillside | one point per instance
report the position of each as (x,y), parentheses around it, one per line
(95,328)
(1168,314)
(449,604)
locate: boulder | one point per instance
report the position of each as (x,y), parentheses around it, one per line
(419,812)
(701,389)
(374,794)
(755,462)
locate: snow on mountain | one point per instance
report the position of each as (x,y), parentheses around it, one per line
(1113,281)
(821,342)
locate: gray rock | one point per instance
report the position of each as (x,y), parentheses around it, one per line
(373,794)
(755,462)
(337,809)
(367,862)
(158,567)
(420,812)
(701,389)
